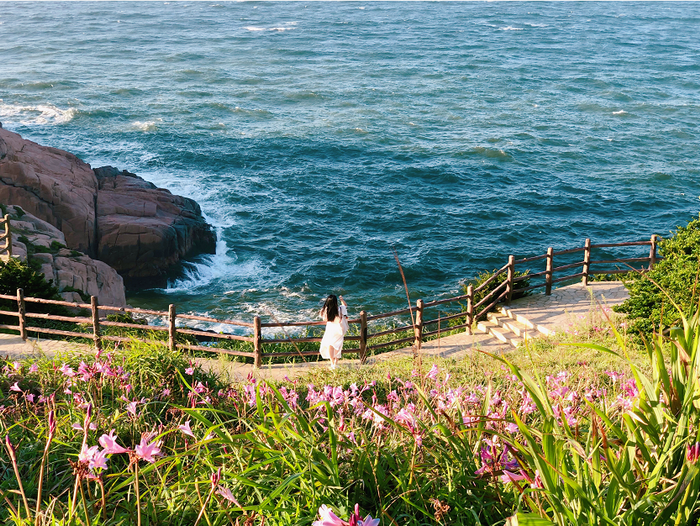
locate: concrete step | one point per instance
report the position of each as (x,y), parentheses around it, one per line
(517,328)
(510,313)
(488,327)
(499,332)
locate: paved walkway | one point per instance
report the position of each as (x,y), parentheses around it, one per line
(569,307)
(566,308)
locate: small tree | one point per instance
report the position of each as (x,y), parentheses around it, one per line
(15,274)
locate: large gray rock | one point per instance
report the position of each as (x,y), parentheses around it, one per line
(114,216)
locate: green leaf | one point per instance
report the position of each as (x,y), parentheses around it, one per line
(528,519)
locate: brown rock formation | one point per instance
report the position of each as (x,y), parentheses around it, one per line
(143,230)
(117,217)
(70,270)
(52,185)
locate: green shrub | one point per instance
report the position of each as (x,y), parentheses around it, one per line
(15,274)
(56,246)
(648,307)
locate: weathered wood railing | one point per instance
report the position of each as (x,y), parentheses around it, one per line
(6,238)
(454,313)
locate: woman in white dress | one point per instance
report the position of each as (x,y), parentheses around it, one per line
(336,318)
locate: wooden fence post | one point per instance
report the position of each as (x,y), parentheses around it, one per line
(652,252)
(363,337)
(172,314)
(586,261)
(257,336)
(8,236)
(418,328)
(22,311)
(550,266)
(511,275)
(470,307)
(96,336)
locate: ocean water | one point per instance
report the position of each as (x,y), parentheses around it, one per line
(319,137)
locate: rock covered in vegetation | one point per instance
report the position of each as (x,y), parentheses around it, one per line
(125,221)
(75,274)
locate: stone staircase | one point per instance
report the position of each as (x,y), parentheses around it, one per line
(539,314)
(510,327)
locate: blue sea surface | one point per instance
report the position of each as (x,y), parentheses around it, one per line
(318,137)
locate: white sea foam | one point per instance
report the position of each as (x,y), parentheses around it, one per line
(39,114)
(272,312)
(284,291)
(286,27)
(621,112)
(510,28)
(210,268)
(147,125)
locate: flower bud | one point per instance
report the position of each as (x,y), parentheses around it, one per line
(9,446)
(215,478)
(52,423)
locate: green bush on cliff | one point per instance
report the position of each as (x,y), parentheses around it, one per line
(15,274)
(648,308)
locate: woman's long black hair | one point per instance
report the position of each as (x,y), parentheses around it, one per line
(330,308)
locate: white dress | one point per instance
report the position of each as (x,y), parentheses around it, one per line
(335,333)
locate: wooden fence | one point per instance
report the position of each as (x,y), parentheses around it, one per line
(6,236)
(409,327)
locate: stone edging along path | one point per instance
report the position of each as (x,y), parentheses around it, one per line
(564,310)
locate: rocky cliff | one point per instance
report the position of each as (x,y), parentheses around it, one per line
(76,275)
(114,216)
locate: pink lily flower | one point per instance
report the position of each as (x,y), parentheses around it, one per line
(98,460)
(433,373)
(16,388)
(226,493)
(185,428)
(146,451)
(131,408)
(509,476)
(67,370)
(87,453)
(328,518)
(109,443)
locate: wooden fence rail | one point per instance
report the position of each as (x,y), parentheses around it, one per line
(425,320)
(6,236)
